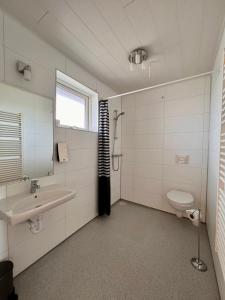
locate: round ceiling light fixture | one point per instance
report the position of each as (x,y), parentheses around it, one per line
(138,57)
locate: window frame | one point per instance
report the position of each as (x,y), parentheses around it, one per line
(79,88)
(75,92)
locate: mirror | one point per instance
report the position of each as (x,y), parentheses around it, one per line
(26,134)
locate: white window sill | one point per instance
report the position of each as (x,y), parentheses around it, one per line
(75,128)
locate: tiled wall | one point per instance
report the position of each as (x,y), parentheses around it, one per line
(158,124)
(214,151)
(80,173)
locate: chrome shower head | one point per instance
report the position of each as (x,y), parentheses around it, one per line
(119,115)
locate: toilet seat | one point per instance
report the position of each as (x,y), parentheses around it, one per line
(180,201)
(181,198)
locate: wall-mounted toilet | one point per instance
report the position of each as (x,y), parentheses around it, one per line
(180,201)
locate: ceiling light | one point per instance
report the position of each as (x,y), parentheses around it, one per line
(139,57)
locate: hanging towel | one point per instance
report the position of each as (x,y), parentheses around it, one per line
(104,193)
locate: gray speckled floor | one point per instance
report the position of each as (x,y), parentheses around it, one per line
(137,253)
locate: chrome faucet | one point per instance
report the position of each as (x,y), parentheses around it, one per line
(34,186)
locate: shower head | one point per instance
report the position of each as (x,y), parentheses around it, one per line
(119,115)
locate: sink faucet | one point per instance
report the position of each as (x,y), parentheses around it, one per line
(34,186)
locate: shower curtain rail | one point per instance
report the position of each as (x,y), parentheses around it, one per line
(159,85)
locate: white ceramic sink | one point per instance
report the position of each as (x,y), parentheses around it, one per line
(22,207)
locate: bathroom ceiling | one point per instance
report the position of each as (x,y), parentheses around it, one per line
(182,36)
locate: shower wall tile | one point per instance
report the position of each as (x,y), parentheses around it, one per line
(158,125)
(148,171)
(184,107)
(188,88)
(154,125)
(146,198)
(149,141)
(145,112)
(153,156)
(147,98)
(180,141)
(184,124)
(188,175)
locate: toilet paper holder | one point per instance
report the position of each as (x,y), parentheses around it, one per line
(195,216)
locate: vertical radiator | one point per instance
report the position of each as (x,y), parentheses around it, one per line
(220,216)
(10,146)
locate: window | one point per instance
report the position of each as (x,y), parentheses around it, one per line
(76,104)
(72,107)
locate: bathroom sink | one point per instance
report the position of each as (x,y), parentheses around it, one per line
(22,207)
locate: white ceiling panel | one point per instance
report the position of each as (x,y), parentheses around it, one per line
(62,39)
(212,20)
(190,22)
(165,12)
(27,10)
(72,23)
(90,15)
(120,25)
(182,36)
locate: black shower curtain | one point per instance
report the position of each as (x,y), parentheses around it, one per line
(104,193)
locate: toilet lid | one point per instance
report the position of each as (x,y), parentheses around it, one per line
(180,197)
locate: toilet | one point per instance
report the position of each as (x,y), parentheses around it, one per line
(180,201)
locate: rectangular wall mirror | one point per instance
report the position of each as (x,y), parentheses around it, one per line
(26,134)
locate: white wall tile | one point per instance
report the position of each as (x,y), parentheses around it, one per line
(181,141)
(153,156)
(3,235)
(2,64)
(2,191)
(144,170)
(184,124)
(86,205)
(207,100)
(4,255)
(128,141)
(184,107)
(30,250)
(155,110)
(1,26)
(21,233)
(14,188)
(189,175)
(150,185)
(150,96)
(155,125)
(148,199)
(186,89)
(149,141)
